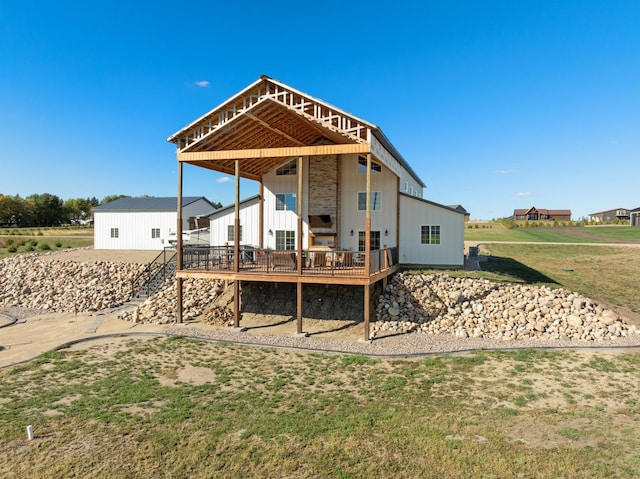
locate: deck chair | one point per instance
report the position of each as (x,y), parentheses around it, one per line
(319,259)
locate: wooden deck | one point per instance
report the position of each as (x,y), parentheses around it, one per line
(335,267)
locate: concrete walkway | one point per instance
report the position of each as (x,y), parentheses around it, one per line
(28,338)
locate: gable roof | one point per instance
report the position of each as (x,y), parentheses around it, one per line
(459,208)
(609,211)
(230,207)
(148,204)
(270,114)
(432,203)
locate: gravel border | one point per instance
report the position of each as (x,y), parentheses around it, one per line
(401,345)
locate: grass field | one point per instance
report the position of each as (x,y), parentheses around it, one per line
(183,408)
(493,231)
(608,274)
(27,240)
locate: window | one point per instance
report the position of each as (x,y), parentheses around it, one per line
(285,240)
(362,239)
(115,232)
(376,200)
(406,186)
(290,168)
(430,234)
(286,202)
(155,233)
(362,166)
(230,233)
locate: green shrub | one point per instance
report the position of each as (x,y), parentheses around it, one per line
(12,249)
(30,248)
(44,246)
(9,241)
(33,243)
(58,243)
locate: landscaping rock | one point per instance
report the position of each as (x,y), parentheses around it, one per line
(479,308)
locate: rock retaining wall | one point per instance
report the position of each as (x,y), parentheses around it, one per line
(27,281)
(477,308)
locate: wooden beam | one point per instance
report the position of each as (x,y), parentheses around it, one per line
(292,277)
(236,251)
(299,307)
(179,244)
(367,310)
(275,130)
(367,221)
(284,152)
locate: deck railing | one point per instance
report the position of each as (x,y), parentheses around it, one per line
(265,261)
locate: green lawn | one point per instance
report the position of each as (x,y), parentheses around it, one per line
(493,231)
(185,408)
(609,274)
(27,240)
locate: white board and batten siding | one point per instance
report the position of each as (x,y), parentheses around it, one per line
(284,220)
(415,213)
(134,230)
(225,217)
(384,219)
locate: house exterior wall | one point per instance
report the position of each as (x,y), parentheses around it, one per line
(275,220)
(249,224)
(634,218)
(384,219)
(414,214)
(134,229)
(610,215)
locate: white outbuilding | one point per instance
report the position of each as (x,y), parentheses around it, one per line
(145,223)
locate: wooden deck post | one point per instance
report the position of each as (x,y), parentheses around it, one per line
(367,310)
(299,248)
(261,214)
(299,307)
(179,246)
(236,251)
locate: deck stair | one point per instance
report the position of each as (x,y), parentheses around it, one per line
(154,275)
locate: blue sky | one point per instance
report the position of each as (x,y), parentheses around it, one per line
(496,104)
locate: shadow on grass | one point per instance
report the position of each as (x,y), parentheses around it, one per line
(514,269)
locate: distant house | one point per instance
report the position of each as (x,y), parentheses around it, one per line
(460,209)
(634,217)
(539,214)
(610,215)
(144,223)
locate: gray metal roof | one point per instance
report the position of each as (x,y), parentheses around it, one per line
(147,204)
(232,206)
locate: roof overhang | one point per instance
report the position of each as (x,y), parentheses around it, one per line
(269,121)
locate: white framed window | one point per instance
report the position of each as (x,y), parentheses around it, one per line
(155,233)
(286,202)
(430,234)
(285,240)
(406,186)
(115,232)
(362,166)
(362,240)
(230,233)
(376,200)
(287,169)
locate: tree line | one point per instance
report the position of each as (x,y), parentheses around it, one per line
(41,210)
